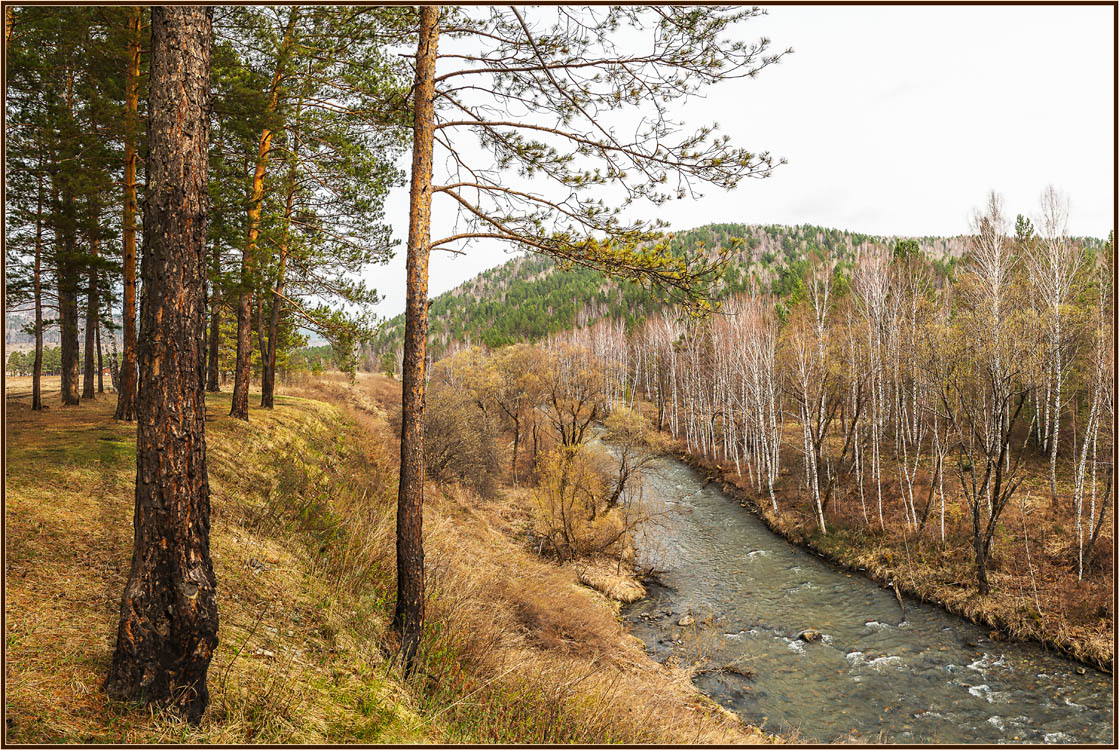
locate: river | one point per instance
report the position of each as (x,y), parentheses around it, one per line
(871,677)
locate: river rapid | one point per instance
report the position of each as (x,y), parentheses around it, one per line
(871,676)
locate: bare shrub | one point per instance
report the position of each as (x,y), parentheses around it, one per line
(572,500)
(637,446)
(460,440)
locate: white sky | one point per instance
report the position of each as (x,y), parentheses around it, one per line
(894,120)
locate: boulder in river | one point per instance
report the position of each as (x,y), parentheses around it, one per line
(809,635)
(685,621)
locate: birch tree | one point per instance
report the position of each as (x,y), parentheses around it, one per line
(980,386)
(871,284)
(1098,439)
(1053,263)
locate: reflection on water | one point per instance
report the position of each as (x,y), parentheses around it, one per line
(869,676)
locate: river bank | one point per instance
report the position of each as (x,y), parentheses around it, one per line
(805,648)
(945,583)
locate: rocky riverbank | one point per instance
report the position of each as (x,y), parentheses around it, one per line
(923,578)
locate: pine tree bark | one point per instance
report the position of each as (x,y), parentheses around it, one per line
(212,384)
(37,371)
(68,272)
(126,396)
(213,365)
(100,362)
(240,407)
(268,363)
(240,401)
(261,343)
(408,619)
(169,618)
(93,303)
(68,279)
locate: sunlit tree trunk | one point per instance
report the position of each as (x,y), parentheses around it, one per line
(168,614)
(241,369)
(268,363)
(408,618)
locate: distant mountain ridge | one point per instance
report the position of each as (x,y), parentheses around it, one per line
(531,297)
(17,337)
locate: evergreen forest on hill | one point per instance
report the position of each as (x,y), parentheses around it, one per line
(532,297)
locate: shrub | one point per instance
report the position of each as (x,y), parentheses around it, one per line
(460,440)
(572,500)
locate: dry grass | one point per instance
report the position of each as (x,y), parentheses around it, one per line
(281,673)
(515,649)
(604,576)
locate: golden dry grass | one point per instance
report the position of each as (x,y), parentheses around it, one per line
(604,576)
(541,657)
(515,649)
(278,674)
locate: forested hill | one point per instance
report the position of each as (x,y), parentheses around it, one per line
(531,296)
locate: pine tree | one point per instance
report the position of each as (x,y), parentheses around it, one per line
(126,394)
(169,619)
(568,74)
(320,166)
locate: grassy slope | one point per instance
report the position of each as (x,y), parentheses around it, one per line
(281,672)
(516,650)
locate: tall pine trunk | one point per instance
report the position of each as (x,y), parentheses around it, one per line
(68,279)
(100,362)
(126,396)
(408,619)
(93,303)
(240,408)
(212,368)
(168,617)
(37,371)
(268,363)
(243,360)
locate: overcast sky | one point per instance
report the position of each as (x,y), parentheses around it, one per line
(894,120)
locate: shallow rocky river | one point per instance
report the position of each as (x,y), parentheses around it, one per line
(870,676)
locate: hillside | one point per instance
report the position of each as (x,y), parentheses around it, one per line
(531,296)
(302,541)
